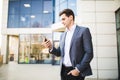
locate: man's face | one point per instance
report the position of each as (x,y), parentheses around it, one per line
(65,20)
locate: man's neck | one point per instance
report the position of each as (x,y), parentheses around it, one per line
(70,26)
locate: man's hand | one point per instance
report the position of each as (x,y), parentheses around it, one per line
(74,72)
(47,44)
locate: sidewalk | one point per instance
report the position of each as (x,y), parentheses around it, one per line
(14,71)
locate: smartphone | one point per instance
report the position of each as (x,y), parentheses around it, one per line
(45,39)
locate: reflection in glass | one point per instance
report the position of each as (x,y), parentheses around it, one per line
(13,21)
(36,20)
(57,14)
(32,51)
(118,47)
(47,6)
(61,1)
(72,5)
(31,13)
(118,19)
(55,60)
(56,38)
(25,7)
(117,13)
(14,7)
(47,20)
(36,6)
(25,21)
(63,5)
(24,49)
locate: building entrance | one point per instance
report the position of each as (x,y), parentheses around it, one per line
(31,50)
(13,41)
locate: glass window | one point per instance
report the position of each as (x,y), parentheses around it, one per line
(31,49)
(13,21)
(55,60)
(56,38)
(24,50)
(61,1)
(36,6)
(36,21)
(72,5)
(57,2)
(30,13)
(24,38)
(118,35)
(25,7)
(25,21)
(14,7)
(47,20)
(118,47)
(63,5)
(56,35)
(118,19)
(47,6)
(57,14)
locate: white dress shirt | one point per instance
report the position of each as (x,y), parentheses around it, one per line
(68,39)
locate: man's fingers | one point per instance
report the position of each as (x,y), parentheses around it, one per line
(69,73)
(48,44)
(48,41)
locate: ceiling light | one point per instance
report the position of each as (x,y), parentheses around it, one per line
(32,16)
(27,5)
(45,11)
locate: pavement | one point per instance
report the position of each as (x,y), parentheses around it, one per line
(15,71)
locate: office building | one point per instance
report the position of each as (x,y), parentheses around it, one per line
(25,24)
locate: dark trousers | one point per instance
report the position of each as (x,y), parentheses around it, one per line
(64,75)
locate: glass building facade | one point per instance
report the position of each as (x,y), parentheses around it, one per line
(62,4)
(36,14)
(30,13)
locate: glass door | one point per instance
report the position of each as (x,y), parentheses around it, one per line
(24,49)
(12,48)
(118,37)
(31,50)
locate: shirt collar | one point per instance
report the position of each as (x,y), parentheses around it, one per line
(72,28)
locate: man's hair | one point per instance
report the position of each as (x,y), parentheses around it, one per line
(68,13)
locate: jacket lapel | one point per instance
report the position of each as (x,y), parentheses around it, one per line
(74,35)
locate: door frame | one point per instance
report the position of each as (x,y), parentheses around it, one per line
(118,30)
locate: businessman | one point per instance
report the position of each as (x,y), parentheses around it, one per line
(75,48)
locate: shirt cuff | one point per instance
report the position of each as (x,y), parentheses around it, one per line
(77,69)
(50,50)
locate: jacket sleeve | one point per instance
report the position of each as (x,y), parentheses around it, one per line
(55,51)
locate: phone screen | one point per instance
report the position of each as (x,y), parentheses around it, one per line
(45,39)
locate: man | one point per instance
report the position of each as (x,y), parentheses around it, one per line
(75,48)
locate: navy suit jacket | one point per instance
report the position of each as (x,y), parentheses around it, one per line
(81,50)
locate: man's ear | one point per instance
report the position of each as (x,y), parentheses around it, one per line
(71,17)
